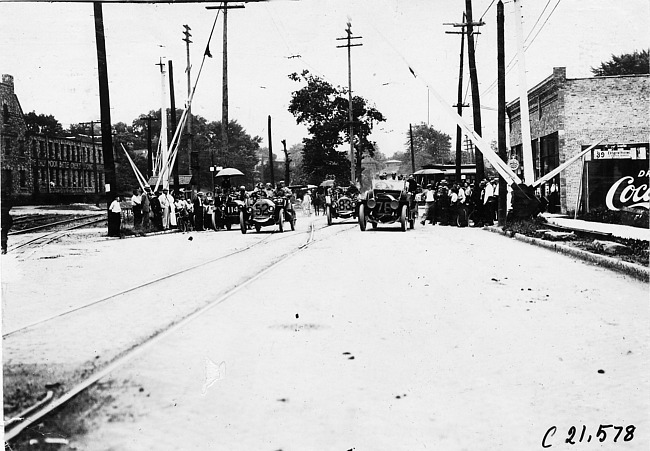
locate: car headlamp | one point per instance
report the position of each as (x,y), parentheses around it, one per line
(371,203)
(394,204)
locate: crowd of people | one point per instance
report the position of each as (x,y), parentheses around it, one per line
(453,203)
(164,210)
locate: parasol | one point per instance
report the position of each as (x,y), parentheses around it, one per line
(327,183)
(225,172)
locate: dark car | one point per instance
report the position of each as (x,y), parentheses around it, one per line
(340,203)
(387,202)
(227,210)
(266,211)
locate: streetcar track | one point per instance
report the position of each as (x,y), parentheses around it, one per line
(54,235)
(53,224)
(165,277)
(129,355)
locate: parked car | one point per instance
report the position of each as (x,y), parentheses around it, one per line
(387,202)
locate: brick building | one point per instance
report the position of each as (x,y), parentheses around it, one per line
(41,168)
(569,115)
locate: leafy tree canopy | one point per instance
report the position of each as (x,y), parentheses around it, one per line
(42,123)
(323,108)
(430,147)
(625,64)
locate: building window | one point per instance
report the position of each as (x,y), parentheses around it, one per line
(5,113)
(7,146)
(7,181)
(21,147)
(23,178)
(50,150)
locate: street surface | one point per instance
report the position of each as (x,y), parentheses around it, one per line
(437,338)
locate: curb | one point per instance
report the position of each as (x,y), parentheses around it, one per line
(637,271)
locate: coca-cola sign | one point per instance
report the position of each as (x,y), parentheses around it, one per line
(630,192)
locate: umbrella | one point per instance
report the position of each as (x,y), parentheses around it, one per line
(225,172)
(311,186)
(327,183)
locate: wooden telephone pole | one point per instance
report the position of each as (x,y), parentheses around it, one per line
(110,178)
(459,104)
(349,45)
(476,100)
(224,86)
(192,160)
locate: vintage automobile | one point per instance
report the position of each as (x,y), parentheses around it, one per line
(227,211)
(265,211)
(387,202)
(340,203)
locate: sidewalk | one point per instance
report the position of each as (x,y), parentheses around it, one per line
(621,231)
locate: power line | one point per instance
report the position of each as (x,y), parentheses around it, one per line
(540,29)
(538,18)
(510,65)
(486,10)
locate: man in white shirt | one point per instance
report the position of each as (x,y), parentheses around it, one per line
(136,207)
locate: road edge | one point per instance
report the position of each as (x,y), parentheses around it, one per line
(639,272)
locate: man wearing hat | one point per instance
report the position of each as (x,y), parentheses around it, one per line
(198,211)
(145,203)
(166,202)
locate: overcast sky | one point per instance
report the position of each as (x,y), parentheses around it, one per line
(50,50)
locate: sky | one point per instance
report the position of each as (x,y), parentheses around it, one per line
(50,50)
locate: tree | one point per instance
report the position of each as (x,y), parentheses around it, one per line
(323,108)
(430,146)
(41,123)
(625,64)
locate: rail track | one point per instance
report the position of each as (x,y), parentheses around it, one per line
(49,237)
(15,426)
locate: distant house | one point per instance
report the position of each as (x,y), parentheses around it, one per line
(392,166)
(567,116)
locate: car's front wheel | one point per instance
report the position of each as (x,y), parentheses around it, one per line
(362,217)
(242,222)
(281,221)
(402,218)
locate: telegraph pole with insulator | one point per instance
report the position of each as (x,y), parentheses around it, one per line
(476,99)
(192,159)
(459,104)
(349,46)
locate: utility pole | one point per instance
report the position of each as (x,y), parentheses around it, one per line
(526,147)
(459,104)
(349,46)
(476,100)
(287,160)
(164,174)
(271,154)
(104,106)
(501,119)
(172,99)
(224,102)
(149,149)
(192,160)
(412,153)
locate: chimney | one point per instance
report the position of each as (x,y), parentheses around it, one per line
(560,73)
(8,80)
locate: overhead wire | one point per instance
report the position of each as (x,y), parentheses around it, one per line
(510,64)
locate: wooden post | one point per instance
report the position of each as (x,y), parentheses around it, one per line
(104,106)
(172,99)
(501,114)
(271,154)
